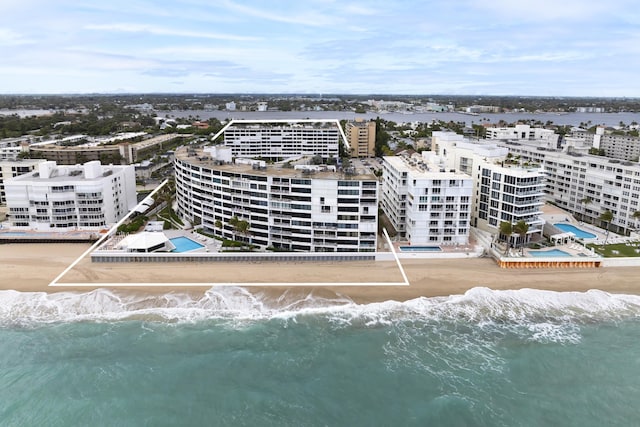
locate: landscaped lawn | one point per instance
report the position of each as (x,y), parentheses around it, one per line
(622,250)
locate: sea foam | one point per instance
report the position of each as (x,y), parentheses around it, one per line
(477,306)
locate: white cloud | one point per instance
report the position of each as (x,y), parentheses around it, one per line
(150,29)
(9,37)
(307,17)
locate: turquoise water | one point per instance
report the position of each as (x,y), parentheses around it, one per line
(184,244)
(232,358)
(550,253)
(581,234)
(420,248)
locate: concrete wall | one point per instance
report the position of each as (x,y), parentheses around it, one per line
(621,262)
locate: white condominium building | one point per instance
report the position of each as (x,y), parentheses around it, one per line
(587,185)
(58,198)
(283,139)
(524,132)
(11,169)
(284,206)
(505,188)
(426,204)
(511,193)
(621,147)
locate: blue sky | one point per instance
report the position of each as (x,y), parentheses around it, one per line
(485,47)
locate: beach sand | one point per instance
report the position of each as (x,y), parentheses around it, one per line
(31,267)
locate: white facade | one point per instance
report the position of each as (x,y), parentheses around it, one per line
(426,205)
(11,169)
(59,198)
(505,188)
(509,193)
(286,208)
(10,148)
(545,137)
(279,140)
(589,185)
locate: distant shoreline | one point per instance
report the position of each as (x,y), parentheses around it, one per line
(31,267)
(573,119)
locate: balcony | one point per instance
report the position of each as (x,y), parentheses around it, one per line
(537,192)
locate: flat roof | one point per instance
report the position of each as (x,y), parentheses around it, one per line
(433,171)
(200,158)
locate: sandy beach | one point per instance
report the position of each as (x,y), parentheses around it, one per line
(31,267)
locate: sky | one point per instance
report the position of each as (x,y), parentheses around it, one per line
(413,47)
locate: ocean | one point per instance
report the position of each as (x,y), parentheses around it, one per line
(233,358)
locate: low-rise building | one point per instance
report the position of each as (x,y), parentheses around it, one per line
(545,137)
(59,198)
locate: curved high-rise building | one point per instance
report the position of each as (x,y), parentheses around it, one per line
(291,205)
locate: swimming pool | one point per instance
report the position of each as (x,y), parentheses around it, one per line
(581,234)
(184,244)
(550,253)
(420,248)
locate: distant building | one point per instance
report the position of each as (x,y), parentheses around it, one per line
(477,109)
(589,110)
(621,147)
(59,198)
(230,106)
(12,168)
(524,132)
(279,140)
(10,148)
(424,203)
(361,136)
(200,125)
(114,150)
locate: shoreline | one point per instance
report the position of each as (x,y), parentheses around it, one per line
(31,267)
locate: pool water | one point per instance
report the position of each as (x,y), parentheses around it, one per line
(420,248)
(184,244)
(550,253)
(581,234)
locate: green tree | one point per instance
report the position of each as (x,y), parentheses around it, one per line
(506,230)
(521,228)
(382,137)
(606,217)
(636,216)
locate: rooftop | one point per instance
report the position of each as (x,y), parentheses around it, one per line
(197,156)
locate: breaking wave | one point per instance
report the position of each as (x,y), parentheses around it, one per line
(477,306)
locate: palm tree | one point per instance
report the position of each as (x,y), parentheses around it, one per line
(636,216)
(506,229)
(521,228)
(606,216)
(240,226)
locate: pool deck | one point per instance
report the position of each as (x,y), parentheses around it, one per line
(470,250)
